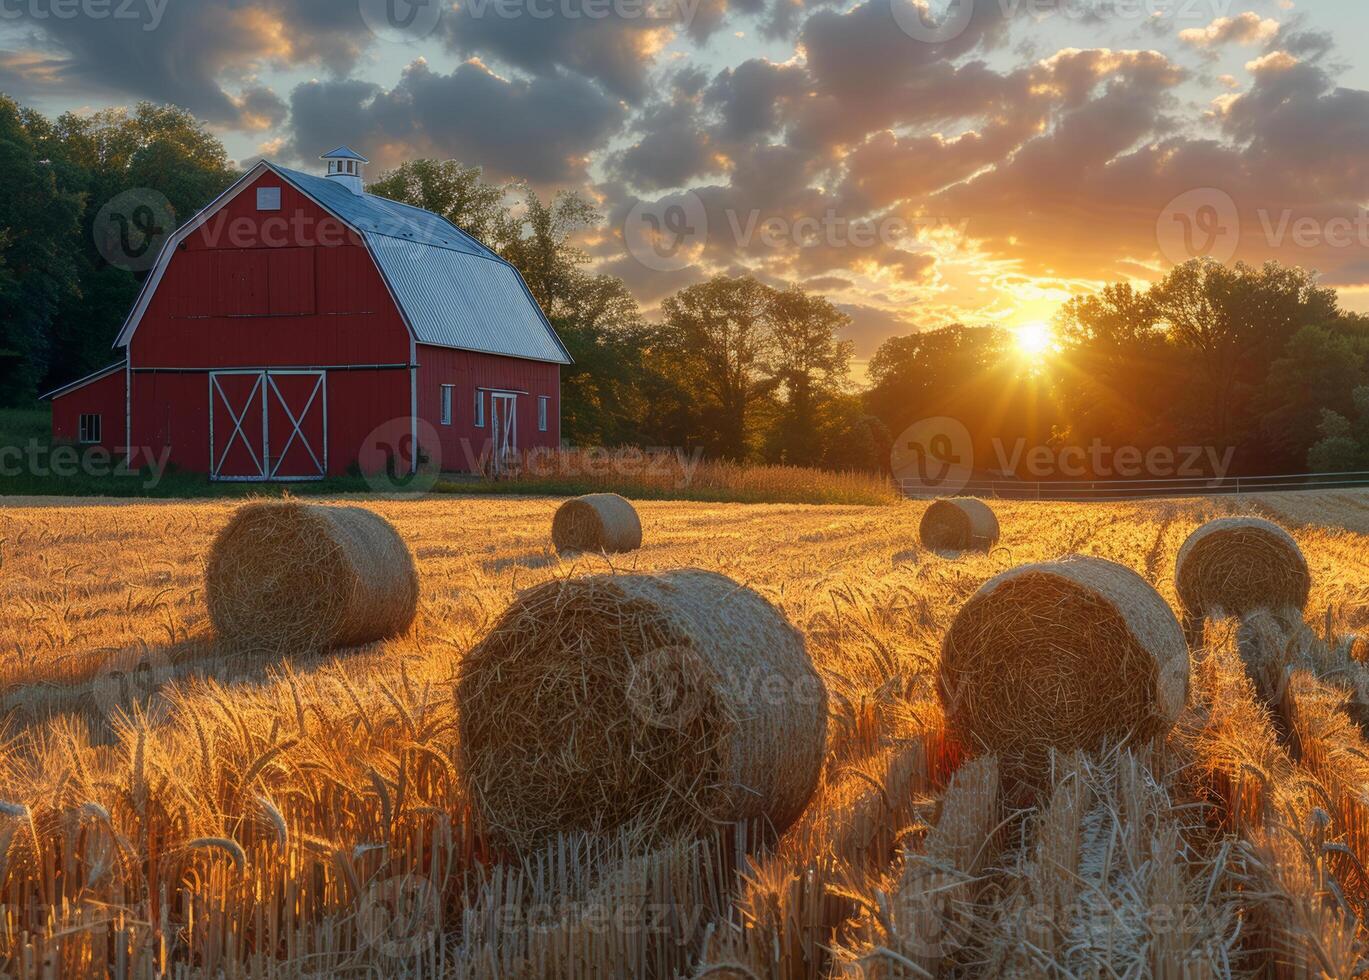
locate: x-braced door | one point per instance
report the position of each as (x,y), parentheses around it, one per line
(268,425)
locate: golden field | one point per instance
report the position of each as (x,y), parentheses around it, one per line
(168,810)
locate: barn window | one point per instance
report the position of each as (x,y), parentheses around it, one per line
(90,429)
(542,401)
(447,404)
(479,409)
(268,198)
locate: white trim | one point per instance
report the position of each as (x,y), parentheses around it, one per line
(543,412)
(446,403)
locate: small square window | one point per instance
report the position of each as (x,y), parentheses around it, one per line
(479,409)
(447,404)
(90,429)
(268,198)
(542,402)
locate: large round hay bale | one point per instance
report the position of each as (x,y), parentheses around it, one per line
(959,524)
(1062,655)
(669,702)
(596,522)
(1236,565)
(288,577)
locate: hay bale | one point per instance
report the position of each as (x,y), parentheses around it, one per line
(959,524)
(1236,565)
(667,702)
(1062,655)
(288,577)
(597,522)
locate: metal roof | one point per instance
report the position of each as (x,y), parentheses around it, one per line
(453,290)
(344,153)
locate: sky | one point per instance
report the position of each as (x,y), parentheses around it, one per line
(919,162)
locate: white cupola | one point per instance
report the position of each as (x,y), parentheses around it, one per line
(345,165)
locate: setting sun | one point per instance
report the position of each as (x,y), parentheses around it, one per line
(1034,339)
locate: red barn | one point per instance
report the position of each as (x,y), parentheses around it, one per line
(299,327)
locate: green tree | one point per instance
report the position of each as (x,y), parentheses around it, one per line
(810,365)
(39,219)
(1233,322)
(718,340)
(448,188)
(1320,369)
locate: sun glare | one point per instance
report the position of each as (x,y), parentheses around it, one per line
(1034,339)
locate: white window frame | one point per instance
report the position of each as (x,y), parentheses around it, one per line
(479,408)
(448,396)
(543,409)
(89,428)
(268,198)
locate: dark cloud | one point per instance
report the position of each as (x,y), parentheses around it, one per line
(467,115)
(613,42)
(187,52)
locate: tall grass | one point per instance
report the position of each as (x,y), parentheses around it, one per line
(677,475)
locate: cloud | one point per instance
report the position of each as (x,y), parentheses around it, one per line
(465,115)
(1246,28)
(193,53)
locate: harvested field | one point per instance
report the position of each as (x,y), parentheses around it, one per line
(171,807)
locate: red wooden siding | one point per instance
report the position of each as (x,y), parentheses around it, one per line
(463,443)
(103,397)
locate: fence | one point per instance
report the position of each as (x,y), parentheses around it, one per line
(1137,489)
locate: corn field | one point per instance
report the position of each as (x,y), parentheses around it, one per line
(168,809)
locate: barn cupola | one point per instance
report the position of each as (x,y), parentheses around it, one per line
(345,165)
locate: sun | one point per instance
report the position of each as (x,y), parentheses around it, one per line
(1034,339)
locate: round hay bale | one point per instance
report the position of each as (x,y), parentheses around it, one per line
(597,522)
(668,702)
(959,524)
(1062,655)
(287,577)
(1236,565)
(1357,648)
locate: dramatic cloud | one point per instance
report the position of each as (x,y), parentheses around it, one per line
(467,115)
(195,53)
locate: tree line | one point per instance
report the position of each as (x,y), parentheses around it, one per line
(1261,361)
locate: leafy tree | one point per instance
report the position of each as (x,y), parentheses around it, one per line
(1344,444)
(456,192)
(811,366)
(39,218)
(1320,369)
(1233,321)
(719,339)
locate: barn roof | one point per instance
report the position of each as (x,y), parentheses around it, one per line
(451,289)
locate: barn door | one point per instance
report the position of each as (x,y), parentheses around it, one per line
(504,419)
(268,425)
(237,425)
(297,425)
